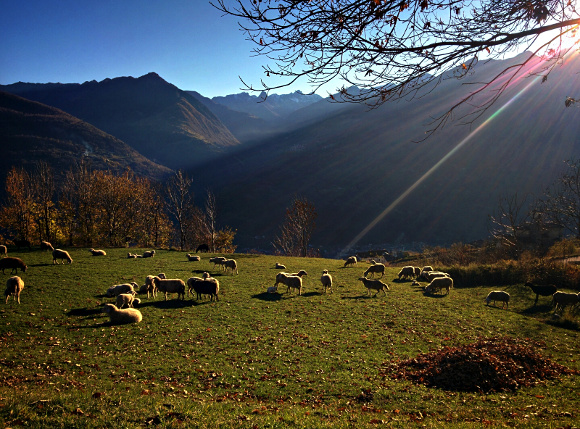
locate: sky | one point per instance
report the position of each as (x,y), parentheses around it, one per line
(188,43)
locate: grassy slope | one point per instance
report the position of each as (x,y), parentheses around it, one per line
(255,359)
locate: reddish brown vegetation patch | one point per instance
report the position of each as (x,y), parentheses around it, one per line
(489,365)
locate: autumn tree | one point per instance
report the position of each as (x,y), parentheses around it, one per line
(18,214)
(44,196)
(180,203)
(391,49)
(297,229)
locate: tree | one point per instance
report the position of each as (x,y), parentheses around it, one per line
(44,192)
(180,201)
(211,219)
(392,49)
(18,215)
(296,231)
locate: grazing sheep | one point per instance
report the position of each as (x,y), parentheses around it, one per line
(439,283)
(62,255)
(45,245)
(3,250)
(351,260)
(376,268)
(126,300)
(218,260)
(326,281)
(98,252)
(273,289)
(231,264)
(498,295)
(12,263)
(429,276)
(148,254)
(407,272)
(374,285)
(563,299)
(417,271)
(427,268)
(291,282)
(14,286)
(122,288)
(280,266)
(132,255)
(202,248)
(204,286)
(193,258)
(170,286)
(122,316)
(544,290)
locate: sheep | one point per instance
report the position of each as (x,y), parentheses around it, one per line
(376,268)
(204,286)
(439,283)
(202,248)
(498,295)
(563,299)
(300,273)
(121,288)
(326,281)
(351,260)
(148,254)
(218,260)
(407,272)
(122,316)
(12,263)
(375,285)
(149,286)
(3,250)
(427,268)
(62,255)
(231,264)
(14,286)
(291,282)
(192,258)
(170,286)
(126,300)
(98,252)
(544,290)
(417,272)
(280,266)
(430,275)
(45,245)
(131,255)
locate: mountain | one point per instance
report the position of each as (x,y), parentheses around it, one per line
(163,123)
(31,132)
(374,180)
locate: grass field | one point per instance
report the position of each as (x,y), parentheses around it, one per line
(259,360)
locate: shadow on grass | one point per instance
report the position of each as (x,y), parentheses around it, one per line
(565,323)
(266,296)
(85,312)
(364,296)
(434,295)
(536,309)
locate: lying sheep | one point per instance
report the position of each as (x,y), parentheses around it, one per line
(170,286)
(45,245)
(98,252)
(376,268)
(439,283)
(192,258)
(122,316)
(374,285)
(498,295)
(231,264)
(12,263)
(280,266)
(544,290)
(407,272)
(62,255)
(148,254)
(14,286)
(351,260)
(131,255)
(326,281)
(122,288)
(291,282)
(204,286)
(126,300)
(563,299)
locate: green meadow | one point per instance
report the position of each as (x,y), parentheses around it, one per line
(259,360)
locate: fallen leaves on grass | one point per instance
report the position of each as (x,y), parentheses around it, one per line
(488,365)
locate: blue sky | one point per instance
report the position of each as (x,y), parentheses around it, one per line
(187,42)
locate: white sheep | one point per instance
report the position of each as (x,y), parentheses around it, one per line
(122,316)
(218,260)
(439,283)
(351,260)
(132,255)
(291,282)
(326,280)
(563,299)
(376,268)
(407,272)
(280,266)
(430,275)
(192,258)
(204,286)
(62,255)
(498,295)
(14,286)
(126,300)
(98,252)
(374,285)
(45,245)
(170,286)
(121,288)
(231,264)
(148,254)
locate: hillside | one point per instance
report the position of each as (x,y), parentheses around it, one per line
(155,118)
(31,132)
